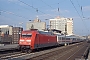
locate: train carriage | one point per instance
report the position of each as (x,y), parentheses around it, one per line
(63,40)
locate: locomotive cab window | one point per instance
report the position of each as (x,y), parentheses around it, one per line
(26,35)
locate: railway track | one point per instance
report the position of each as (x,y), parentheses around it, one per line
(11,55)
(50,54)
(61,54)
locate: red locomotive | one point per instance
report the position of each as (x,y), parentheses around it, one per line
(34,39)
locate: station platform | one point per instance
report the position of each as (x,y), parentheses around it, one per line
(89,56)
(8,46)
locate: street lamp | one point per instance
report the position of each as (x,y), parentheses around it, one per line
(66,29)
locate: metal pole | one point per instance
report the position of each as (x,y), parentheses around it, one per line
(55,24)
(65,32)
(50,25)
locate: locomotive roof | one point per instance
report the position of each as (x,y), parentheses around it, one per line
(41,32)
(45,32)
(68,36)
(56,30)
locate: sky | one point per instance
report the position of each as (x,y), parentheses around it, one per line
(19,12)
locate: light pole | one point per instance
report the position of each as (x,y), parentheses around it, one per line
(48,25)
(65,28)
(65,32)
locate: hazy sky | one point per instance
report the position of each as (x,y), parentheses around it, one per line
(14,12)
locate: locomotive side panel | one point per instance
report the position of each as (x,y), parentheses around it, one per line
(36,41)
(43,40)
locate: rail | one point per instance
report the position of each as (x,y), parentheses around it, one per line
(85,55)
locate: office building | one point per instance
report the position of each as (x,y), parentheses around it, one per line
(16,31)
(62,24)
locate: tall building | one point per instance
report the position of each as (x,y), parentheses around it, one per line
(9,34)
(5,34)
(62,24)
(16,31)
(6,29)
(36,24)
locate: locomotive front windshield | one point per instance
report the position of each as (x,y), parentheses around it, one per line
(26,35)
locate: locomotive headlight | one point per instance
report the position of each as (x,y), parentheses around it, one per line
(28,40)
(21,40)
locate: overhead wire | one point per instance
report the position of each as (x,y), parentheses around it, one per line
(13,14)
(8,12)
(81,9)
(58,9)
(47,4)
(25,8)
(75,8)
(32,7)
(79,15)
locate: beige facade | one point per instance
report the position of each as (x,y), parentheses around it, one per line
(36,24)
(63,24)
(88,37)
(6,29)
